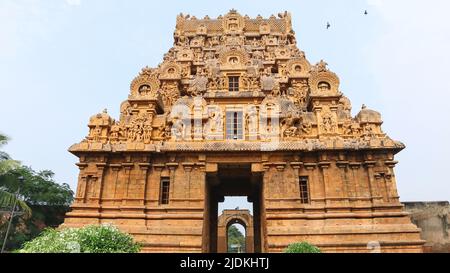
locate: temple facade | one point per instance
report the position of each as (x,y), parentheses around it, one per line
(236,109)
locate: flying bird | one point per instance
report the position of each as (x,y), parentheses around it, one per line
(328,25)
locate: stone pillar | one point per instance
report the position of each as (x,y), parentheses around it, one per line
(127,167)
(317,194)
(343,168)
(296,166)
(324,167)
(172,168)
(143,181)
(354,166)
(374,193)
(81,189)
(198,118)
(390,181)
(188,166)
(158,169)
(115,169)
(100,182)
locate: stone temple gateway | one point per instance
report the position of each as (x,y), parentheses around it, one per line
(236,109)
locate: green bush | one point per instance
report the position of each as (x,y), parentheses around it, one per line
(89,239)
(302,247)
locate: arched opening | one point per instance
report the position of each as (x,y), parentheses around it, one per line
(324,86)
(236,237)
(234,197)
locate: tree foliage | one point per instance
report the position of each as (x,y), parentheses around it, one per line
(7,165)
(302,247)
(89,239)
(39,194)
(235,237)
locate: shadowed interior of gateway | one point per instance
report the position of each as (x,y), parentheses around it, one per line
(233,180)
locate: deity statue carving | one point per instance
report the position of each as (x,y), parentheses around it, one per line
(214,126)
(96,133)
(170,93)
(329,124)
(251,120)
(267,81)
(178,128)
(298,92)
(290,126)
(251,82)
(198,85)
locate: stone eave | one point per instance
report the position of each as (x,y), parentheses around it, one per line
(313,145)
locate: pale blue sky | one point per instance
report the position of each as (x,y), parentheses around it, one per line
(62,61)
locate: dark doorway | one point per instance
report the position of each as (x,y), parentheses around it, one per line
(232,180)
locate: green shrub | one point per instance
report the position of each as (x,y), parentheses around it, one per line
(89,239)
(302,247)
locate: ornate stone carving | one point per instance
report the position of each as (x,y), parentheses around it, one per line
(267,81)
(233,22)
(290,126)
(140,128)
(322,81)
(170,71)
(298,92)
(213,129)
(233,57)
(146,84)
(298,68)
(198,85)
(170,93)
(328,123)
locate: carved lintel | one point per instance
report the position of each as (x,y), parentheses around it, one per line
(172,166)
(324,164)
(159,167)
(144,166)
(390,163)
(369,163)
(100,165)
(354,165)
(212,167)
(188,166)
(200,165)
(296,165)
(257,167)
(128,166)
(310,166)
(342,164)
(115,167)
(280,166)
(81,166)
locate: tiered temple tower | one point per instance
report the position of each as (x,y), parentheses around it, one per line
(236,109)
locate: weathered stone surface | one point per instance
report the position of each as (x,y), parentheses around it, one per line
(236,109)
(433,218)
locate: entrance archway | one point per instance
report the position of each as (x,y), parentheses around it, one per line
(227,219)
(232,180)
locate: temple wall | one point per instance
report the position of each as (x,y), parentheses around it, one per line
(351,202)
(347,213)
